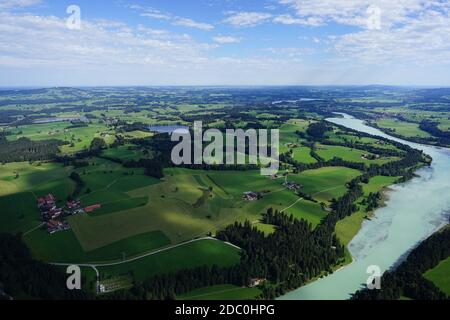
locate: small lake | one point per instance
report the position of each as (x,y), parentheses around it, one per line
(59,119)
(293,101)
(414,210)
(168,129)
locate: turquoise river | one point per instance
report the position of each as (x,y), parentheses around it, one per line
(413,211)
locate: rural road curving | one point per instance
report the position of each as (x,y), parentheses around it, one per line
(95,265)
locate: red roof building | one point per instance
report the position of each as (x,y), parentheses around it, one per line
(92,208)
(46,202)
(53,224)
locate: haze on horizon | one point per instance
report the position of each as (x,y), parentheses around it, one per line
(225,42)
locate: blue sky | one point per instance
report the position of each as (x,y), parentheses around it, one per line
(225,42)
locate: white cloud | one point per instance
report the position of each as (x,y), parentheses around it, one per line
(185,22)
(41,50)
(30,38)
(175,20)
(153,32)
(355,12)
(247,19)
(12,4)
(155,15)
(410,31)
(226,39)
(422,41)
(290,52)
(288,19)
(38,49)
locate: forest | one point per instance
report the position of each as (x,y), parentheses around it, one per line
(24,149)
(24,277)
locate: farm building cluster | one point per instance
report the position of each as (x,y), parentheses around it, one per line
(53,216)
(254,282)
(370,156)
(292,185)
(252,196)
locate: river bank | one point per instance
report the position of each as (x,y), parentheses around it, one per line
(414,210)
(431,141)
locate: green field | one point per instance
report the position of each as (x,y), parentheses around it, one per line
(137,134)
(177,206)
(347,228)
(276,197)
(121,205)
(126,153)
(344,137)
(402,128)
(80,137)
(325,183)
(328,152)
(64,247)
(288,132)
(302,154)
(38,175)
(440,276)
(222,292)
(18,194)
(378,183)
(195,254)
(109,186)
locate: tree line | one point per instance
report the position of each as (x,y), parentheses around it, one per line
(25,149)
(79,184)
(432,128)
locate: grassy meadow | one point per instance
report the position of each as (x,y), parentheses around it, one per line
(20,186)
(177,205)
(303,154)
(402,128)
(195,254)
(325,183)
(440,276)
(78,138)
(328,152)
(65,248)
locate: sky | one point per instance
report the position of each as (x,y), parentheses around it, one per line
(224,42)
